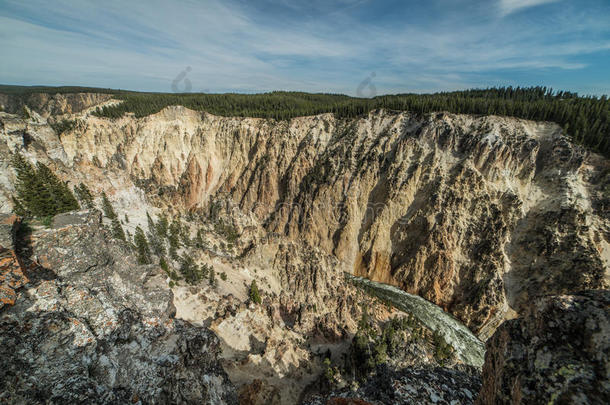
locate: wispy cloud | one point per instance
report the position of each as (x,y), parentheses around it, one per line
(511,6)
(238,45)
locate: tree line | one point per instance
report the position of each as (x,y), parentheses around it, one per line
(585,119)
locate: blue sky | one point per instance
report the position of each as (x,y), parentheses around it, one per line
(316,46)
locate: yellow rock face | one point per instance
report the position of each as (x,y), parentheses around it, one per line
(476,214)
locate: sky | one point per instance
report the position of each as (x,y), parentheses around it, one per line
(354,47)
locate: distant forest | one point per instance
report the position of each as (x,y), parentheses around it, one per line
(585,119)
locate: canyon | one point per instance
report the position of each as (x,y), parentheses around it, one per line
(479,215)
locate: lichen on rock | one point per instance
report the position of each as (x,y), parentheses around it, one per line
(93,326)
(557,353)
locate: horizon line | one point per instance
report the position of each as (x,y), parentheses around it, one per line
(66,86)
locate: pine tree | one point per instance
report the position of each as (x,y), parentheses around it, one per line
(84,195)
(174,238)
(107,207)
(62,197)
(25,175)
(204,270)
(142,249)
(49,199)
(184,236)
(156,244)
(191,272)
(163,264)
(18,208)
(162,226)
(117,229)
(68,200)
(254,293)
(212,276)
(32,194)
(39,191)
(199,242)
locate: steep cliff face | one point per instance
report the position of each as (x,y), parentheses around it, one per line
(91,326)
(51,104)
(476,214)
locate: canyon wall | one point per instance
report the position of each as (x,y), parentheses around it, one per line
(476,214)
(51,104)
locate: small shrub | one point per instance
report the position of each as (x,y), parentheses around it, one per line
(63,126)
(46,221)
(442,350)
(212,277)
(84,195)
(164,265)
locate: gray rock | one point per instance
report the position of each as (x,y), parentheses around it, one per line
(556,354)
(7,230)
(428,385)
(91,326)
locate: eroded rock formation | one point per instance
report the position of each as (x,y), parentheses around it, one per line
(476,214)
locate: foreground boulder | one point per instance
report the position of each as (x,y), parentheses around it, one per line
(91,326)
(556,354)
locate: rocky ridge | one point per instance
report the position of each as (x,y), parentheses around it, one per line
(92,326)
(51,104)
(409,386)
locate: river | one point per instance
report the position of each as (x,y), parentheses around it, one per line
(467,346)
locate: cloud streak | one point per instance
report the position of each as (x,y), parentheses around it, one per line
(325,46)
(511,6)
